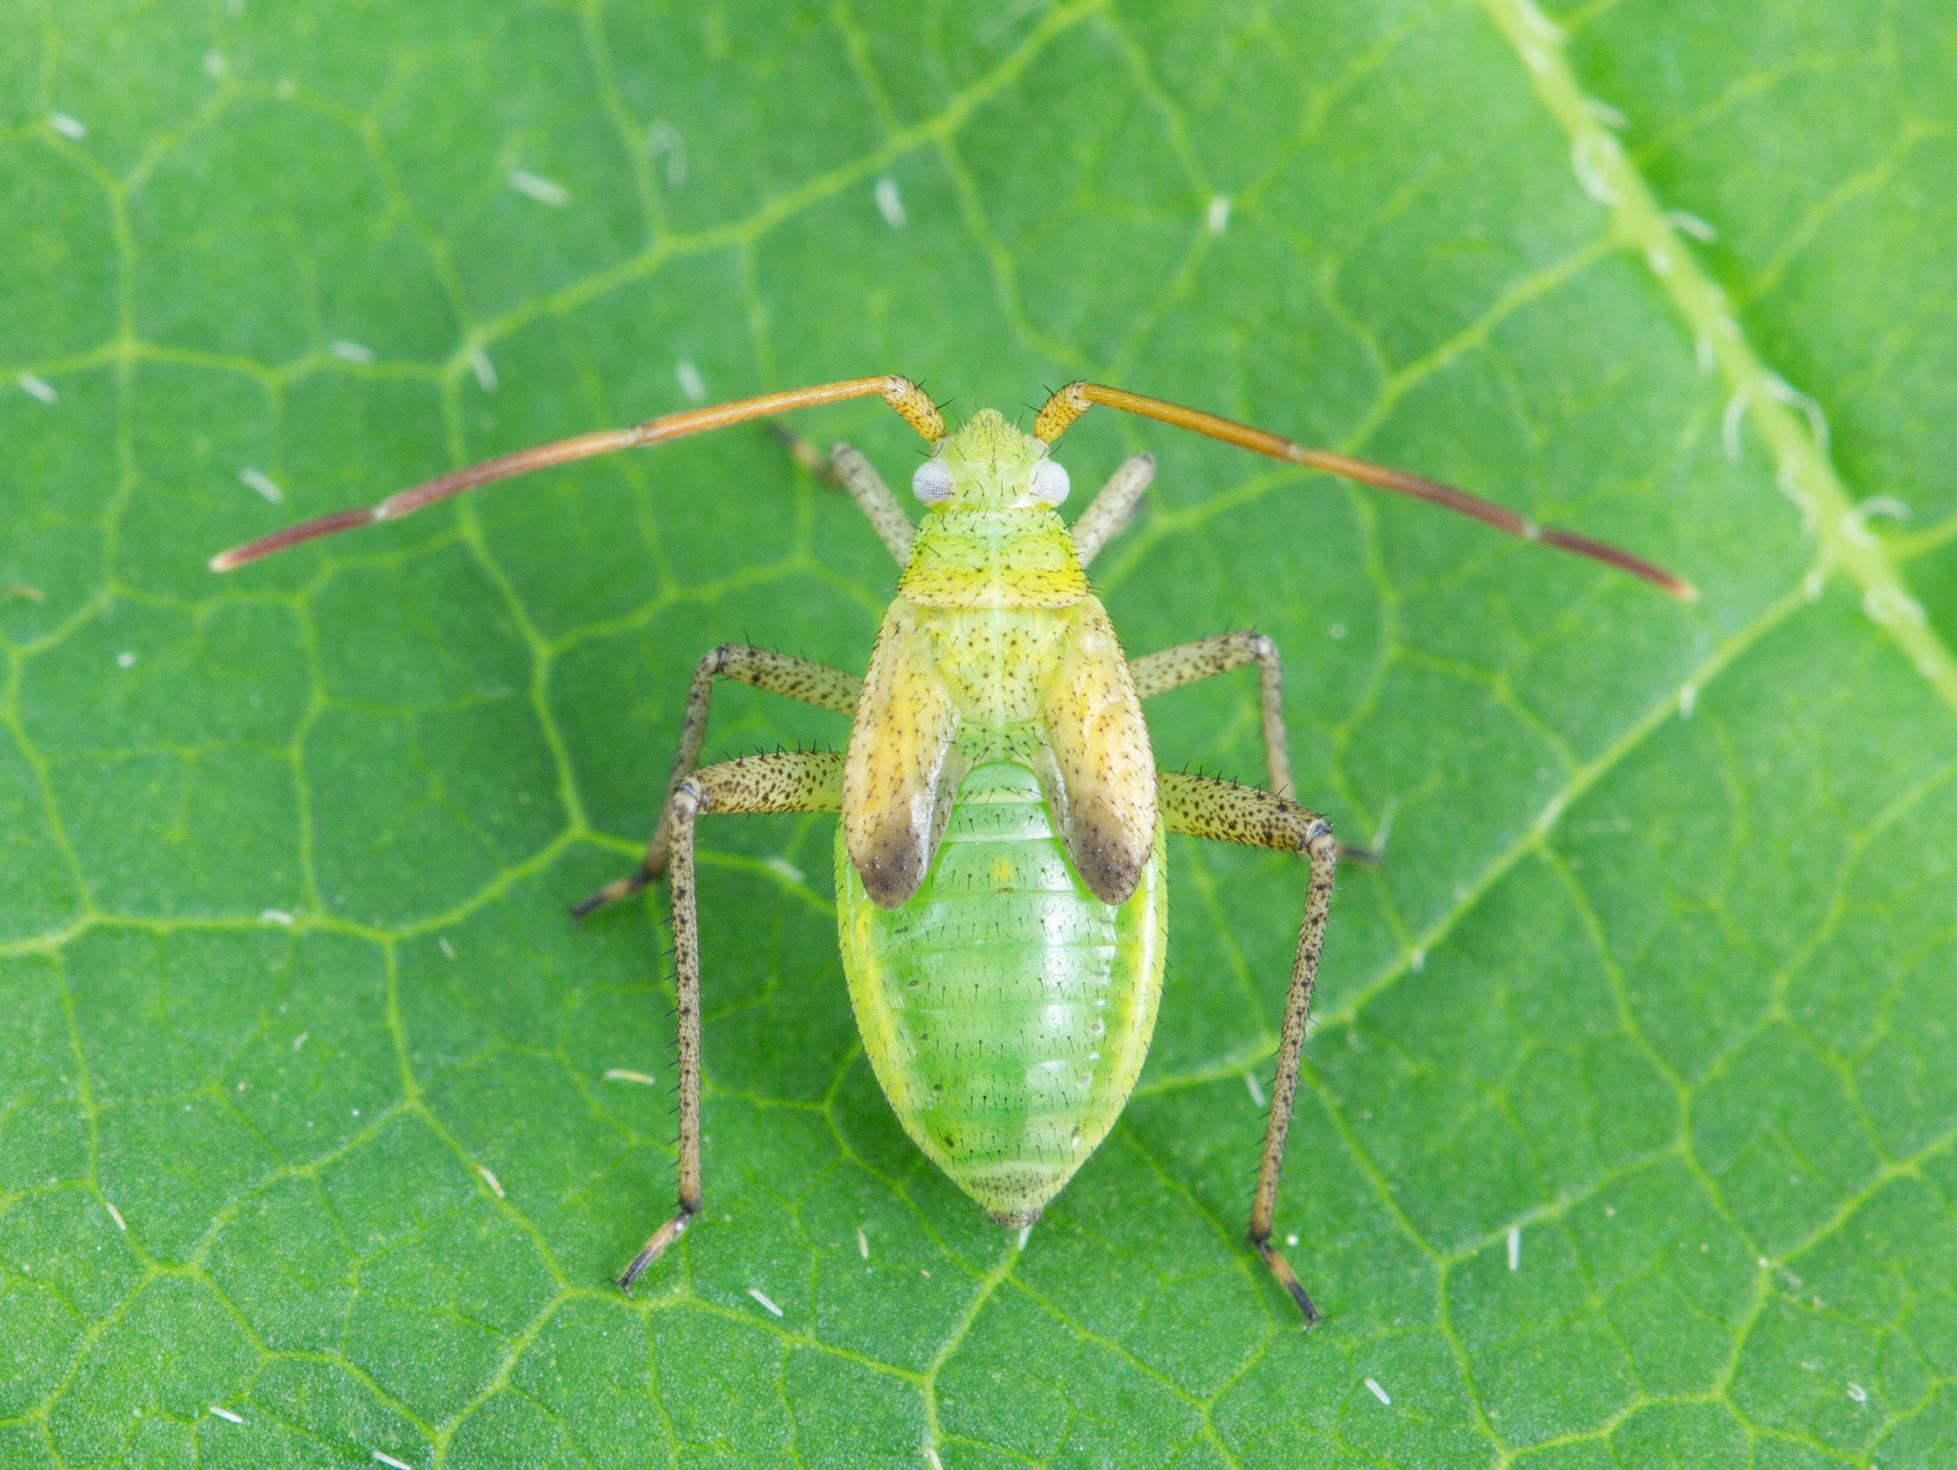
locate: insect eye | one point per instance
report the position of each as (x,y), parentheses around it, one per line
(1050,483)
(932,482)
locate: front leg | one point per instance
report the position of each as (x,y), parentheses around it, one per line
(1114,507)
(845,465)
(1226,812)
(788,781)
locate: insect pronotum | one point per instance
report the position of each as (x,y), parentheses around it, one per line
(1001,876)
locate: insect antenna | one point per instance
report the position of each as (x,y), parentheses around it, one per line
(900,393)
(1070,402)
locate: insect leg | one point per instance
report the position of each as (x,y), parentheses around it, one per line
(1114,507)
(846,466)
(1171,668)
(788,781)
(1227,812)
(779,673)
(1185,663)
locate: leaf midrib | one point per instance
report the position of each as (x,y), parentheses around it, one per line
(1802,462)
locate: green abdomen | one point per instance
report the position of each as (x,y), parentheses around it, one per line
(1005,1009)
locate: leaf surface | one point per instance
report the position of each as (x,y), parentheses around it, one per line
(1626,1135)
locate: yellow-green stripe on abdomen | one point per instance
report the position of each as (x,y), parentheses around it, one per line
(1006,1010)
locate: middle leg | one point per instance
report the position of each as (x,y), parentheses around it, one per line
(779,673)
(1171,668)
(1186,663)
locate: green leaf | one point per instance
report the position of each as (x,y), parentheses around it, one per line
(1626,1137)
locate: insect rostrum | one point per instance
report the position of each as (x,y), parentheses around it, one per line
(1001,874)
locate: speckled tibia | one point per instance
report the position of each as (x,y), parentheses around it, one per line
(1001,869)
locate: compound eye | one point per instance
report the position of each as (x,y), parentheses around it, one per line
(1050,483)
(932,482)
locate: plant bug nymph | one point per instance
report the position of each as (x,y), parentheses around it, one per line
(1001,876)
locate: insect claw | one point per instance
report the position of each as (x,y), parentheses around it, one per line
(651,1251)
(1288,1279)
(818,464)
(613,891)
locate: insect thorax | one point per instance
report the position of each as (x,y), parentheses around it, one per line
(994,592)
(998,559)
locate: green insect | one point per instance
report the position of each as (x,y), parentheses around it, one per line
(1001,874)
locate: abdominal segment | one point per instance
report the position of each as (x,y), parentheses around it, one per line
(1006,1010)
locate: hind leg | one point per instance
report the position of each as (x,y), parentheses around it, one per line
(1226,812)
(789,781)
